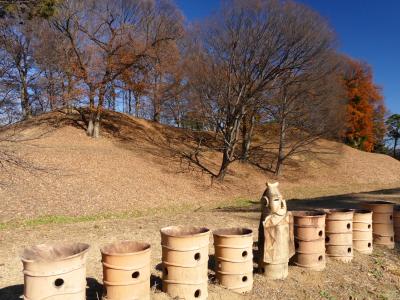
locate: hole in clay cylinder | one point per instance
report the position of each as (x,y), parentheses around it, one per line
(327,239)
(391,239)
(320,258)
(165,271)
(349,250)
(369,245)
(197,256)
(296,245)
(197,293)
(348,225)
(244,253)
(59,282)
(391,217)
(262,270)
(135,274)
(244,278)
(369,226)
(320,233)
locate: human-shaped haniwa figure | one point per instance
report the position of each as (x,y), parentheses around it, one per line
(275,234)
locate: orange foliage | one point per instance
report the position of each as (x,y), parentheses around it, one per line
(364,103)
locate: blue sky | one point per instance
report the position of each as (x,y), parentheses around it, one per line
(368,30)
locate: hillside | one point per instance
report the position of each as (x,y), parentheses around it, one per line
(140,166)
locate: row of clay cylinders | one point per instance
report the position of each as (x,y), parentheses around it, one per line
(185,260)
(309,238)
(382,222)
(339,234)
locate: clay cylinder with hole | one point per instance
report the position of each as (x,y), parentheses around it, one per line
(339,234)
(185,261)
(126,270)
(396,223)
(55,271)
(309,235)
(362,231)
(382,222)
(234,258)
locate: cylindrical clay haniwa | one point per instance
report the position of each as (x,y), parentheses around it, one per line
(126,270)
(55,272)
(396,224)
(309,235)
(234,258)
(185,261)
(382,222)
(362,231)
(339,234)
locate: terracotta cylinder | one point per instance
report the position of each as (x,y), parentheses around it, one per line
(309,235)
(362,231)
(185,261)
(396,224)
(382,222)
(234,258)
(55,271)
(339,234)
(126,270)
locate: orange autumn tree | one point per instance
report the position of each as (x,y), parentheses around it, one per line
(365,108)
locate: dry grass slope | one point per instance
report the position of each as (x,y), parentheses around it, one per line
(138,167)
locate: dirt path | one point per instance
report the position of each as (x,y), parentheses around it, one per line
(367,277)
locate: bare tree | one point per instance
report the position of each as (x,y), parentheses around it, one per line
(245,51)
(108,39)
(20,74)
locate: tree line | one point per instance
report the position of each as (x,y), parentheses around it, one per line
(267,63)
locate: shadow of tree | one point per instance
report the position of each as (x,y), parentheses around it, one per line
(337,201)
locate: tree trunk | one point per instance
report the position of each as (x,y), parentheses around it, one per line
(247,135)
(137,105)
(90,126)
(395,147)
(224,165)
(281,153)
(25,105)
(97,115)
(129,101)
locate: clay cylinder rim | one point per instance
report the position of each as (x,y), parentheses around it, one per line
(308,213)
(362,211)
(31,254)
(180,231)
(233,232)
(379,205)
(125,248)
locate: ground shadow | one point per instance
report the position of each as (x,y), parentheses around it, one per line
(337,201)
(12,292)
(156,282)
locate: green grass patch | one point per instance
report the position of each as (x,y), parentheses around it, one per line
(237,203)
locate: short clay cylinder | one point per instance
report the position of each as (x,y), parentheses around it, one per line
(55,271)
(185,261)
(382,222)
(309,234)
(396,223)
(339,234)
(126,270)
(362,231)
(234,258)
